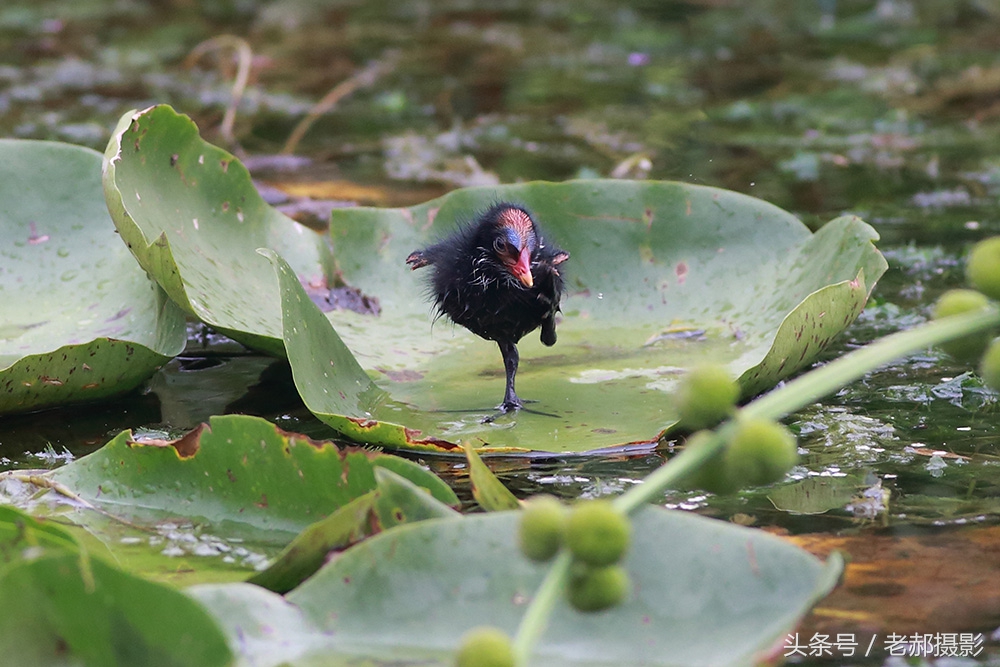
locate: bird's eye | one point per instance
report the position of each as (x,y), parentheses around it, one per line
(501,246)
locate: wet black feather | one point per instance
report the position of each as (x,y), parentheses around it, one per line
(473,286)
(474,289)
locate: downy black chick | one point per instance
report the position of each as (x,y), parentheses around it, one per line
(499,279)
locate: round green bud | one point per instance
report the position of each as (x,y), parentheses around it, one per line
(989,365)
(954,302)
(597,588)
(542,527)
(713,475)
(760,452)
(983,267)
(485,646)
(596,533)
(706,396)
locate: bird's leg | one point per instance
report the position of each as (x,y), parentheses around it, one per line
(510,358)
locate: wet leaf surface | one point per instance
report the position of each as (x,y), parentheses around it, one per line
(71,607)
(80,321)
(395,501)
(662,277)
(214,503)
(194,221)
(386,599)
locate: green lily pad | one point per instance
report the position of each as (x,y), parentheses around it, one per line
(662,276)
(704,593)
(236,468)
(221,499)
(64,609)
(194,220)
(79,320)
(396,500)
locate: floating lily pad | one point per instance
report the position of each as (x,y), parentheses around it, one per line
(662,276)
(238,482)
(66,608)
(704,593)
(79,320)
(193,219)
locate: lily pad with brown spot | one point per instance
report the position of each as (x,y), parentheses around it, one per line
(194,220)
(79,319)
(662,277)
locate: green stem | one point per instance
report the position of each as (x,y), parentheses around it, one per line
(536,617)
(780,402)
(809,388)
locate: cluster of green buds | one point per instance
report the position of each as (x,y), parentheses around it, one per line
(597,536)
(759,451)
(983,273)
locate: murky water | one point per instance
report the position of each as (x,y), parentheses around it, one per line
(887,110)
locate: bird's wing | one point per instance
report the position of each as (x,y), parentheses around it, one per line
(549,329)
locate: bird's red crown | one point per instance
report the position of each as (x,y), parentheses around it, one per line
(517,220)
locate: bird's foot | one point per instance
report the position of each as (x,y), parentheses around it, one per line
(511,405)
(508,406)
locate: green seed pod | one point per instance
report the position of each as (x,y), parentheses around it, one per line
(706,396)
(713,476)
(983,267)
(989,365)
(597,588)
(596,533)
(761,452)
(485,646)
(542,527)
(954,302)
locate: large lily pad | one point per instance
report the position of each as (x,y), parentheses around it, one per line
(704,593)
(662,276)
(193,219)
(79,320)
(220,500)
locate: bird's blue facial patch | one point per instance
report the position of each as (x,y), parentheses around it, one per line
(513,238)
(517,228)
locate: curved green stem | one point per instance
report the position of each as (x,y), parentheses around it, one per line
(809,388)
(780,402)
(536,617)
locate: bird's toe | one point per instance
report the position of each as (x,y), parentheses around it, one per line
(510,406)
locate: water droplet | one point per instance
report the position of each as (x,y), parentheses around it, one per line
(600,295)
(68,275)
(63,252)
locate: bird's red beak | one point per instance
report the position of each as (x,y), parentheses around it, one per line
(522,268)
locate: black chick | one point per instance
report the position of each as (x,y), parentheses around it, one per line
(498,278)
